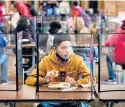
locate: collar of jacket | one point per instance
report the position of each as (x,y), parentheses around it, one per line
(61,59)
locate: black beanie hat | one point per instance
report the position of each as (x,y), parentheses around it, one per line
(60,38)
(54,25)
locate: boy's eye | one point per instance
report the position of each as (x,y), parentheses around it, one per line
(63,47)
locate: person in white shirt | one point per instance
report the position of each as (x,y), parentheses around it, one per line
(64,9)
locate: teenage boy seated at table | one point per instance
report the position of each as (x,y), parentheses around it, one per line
(61,58)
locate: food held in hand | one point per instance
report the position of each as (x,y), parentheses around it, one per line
(55,73)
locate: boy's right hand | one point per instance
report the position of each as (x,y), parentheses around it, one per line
(49,76)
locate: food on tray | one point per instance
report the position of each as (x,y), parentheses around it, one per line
(65,84)
(54,84)
(86,85)
(25,40)
(59,85)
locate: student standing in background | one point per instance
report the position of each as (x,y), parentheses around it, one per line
(3,58)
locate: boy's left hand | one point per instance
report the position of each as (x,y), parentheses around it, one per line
(71,81)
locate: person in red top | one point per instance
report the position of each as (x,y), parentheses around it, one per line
(117,41)
(24,11)
(77,10)
(22,8)
(2,16)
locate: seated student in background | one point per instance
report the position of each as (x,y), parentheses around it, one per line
(77,25)
(116,41)
(60,58)
(25,25)
(46,40)
(3,58)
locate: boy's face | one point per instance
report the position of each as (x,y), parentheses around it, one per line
(64,49)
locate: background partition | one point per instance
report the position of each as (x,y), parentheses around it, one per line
(86,46)
(19,60)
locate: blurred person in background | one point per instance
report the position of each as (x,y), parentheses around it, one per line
(64,9)
(49,8)
(77,25)
(116,41)
(33,11)
(2,16)
(53,7)
(43,7)
(24,25)
(3,58)
(14,17)
(80,34)
(46,40)
(23,8)
(78,11)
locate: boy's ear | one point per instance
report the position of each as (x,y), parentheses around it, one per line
(54,47)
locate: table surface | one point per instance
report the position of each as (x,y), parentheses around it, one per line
(28,45)
(45,88)
(8,86)
(108,95)
(82,94)
(26,93)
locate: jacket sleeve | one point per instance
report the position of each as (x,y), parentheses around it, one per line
(111,41)
(85,73)
(19,8)
(22,11)
(3,41)
(32,78)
